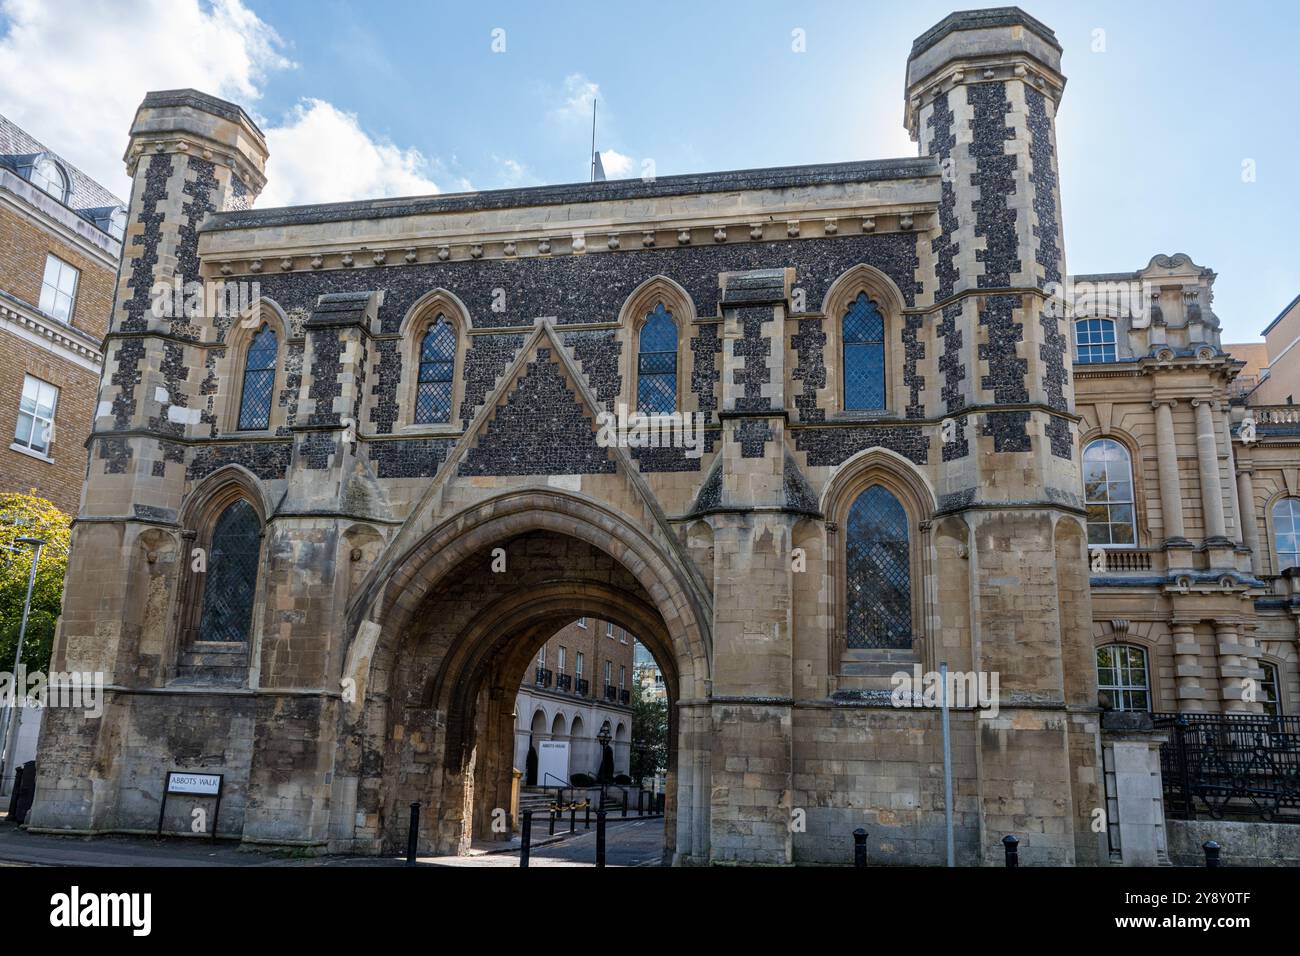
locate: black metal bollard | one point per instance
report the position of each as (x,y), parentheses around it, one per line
(526,838)
(552,833)
(624,803)
(1211,853)
(1011,845)
(600,837)
(413,835)
(588,821)
(859,848)
(573,818)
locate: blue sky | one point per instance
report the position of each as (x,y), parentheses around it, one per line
(1153,131)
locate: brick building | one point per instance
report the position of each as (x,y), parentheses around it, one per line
(398,462)
(60,242)
(581,684)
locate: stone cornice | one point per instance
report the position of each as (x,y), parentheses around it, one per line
(190,144)
(32,324)
(592,239)
(46,213)
(746,180)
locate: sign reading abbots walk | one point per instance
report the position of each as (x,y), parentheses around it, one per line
(203,784)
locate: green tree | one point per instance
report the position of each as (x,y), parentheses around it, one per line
(35,517)
(649,734)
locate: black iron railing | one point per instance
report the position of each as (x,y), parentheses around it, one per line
(563,681)
(581,687)
(1230,765)
(543,677)
(624,696)
(611,692)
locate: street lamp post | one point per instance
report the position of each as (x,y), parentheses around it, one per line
(11,724)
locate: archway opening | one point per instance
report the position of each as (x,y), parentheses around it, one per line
(477,703)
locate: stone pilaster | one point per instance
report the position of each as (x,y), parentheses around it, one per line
(1246,508)
(1207,462)
(1171,494)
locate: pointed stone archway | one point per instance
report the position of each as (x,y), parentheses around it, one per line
(437,660)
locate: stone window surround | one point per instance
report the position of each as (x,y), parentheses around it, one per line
(418,320)
(634,314)
(1270,527)
(238,341)
(205,506)
(877,467)
(1137,473)
(1133,492)
(1147,653)
(881,290)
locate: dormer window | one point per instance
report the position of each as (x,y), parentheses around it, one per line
(1094,341)
(46,175)
(117,224)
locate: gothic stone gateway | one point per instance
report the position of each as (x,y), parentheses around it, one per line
(438,365)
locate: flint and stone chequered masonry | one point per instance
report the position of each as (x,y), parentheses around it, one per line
(423,387)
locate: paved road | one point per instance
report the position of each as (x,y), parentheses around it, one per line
(631,843)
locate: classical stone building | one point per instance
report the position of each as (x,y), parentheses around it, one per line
(321,544)
(1191,602)
(60,242)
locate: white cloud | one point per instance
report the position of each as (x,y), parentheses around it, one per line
(72,73)
(616,165)
(576,98)
(321,154)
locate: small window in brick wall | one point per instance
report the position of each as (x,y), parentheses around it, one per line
(36,415)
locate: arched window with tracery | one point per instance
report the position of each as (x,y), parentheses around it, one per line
(259,380)
(878,607)
(862,334)
(437,367)
(230,579)
(1108,494)
(656,367)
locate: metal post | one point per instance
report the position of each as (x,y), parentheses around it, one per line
(412,836)
(947,767)
(600,837)
(859,848)
(625,801)
(11,723)
(1211,853)
(552,833)
(573,818)
(588,822)
(1011,845)
(1180,744)
(526,838)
